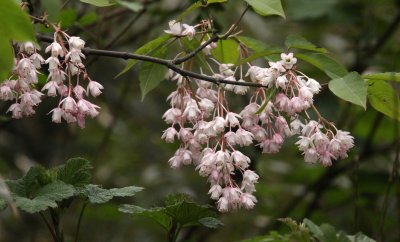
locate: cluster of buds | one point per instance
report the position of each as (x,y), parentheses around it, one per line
(64,65)
(211,134)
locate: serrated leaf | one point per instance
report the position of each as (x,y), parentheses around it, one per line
(46,197)
(327,64)
(75,172)
(384,98)
(100,3)
(360,237)
(267,7)
(226,51)
(151,74)
(134,6)
(314,229)
(197,5)
(188,213)
(15,26)
(385,76)
(125,191)
(298,42)
(351,88)
(157,214)
(146,49)
(210,222)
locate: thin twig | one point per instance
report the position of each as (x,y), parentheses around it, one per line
(48,226)
(78,226)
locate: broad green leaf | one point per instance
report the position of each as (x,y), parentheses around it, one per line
(189,213)
(100,3)
(258,45)
(315,229)
(15,26)
(329,233)
(46,197)
(67,17)
(324,62)
(197,5)
(27,184)
(210,222)
(146,49)
(386,76)
(134,6)
(151,74)
(3,204)
(267,7)
(384,98)
(351,88)
(157,214)
(52,7)
(199,57)
(75,172)
(226,51)
(87,19)
(306,9)
(360,237)
(298,42)
(257,55)
(96,194)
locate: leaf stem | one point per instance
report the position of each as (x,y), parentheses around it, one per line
(48,226)
(80,220)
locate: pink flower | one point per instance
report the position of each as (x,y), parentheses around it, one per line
(57,114)
(69,105)
(247,200)
(243,137)
(169,135)
(189,31)
(55,49)
(172,115)
(51,88)
(215,192)
(94,88)
(16,110)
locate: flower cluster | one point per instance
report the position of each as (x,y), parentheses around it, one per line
(211,134)
(64,65)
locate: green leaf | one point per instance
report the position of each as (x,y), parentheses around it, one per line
(267,7)
(100,3)
(226,51)
(306,9)
(210,222)
(197,5)
(384,98)
(75,172)
(67,17)
(157,214)
(329,233)
(88,19)
(134,6)
(52,7)
(386,76)
(96,194)
(46,197)
(15,26)
(324,62)
(258,45)
(360,237)
(351,88)
(298,42)
(146,49)
(151,74)
(315,229)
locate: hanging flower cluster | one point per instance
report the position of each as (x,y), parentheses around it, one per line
(66,74)
(211,133)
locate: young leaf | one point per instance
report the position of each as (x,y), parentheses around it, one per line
(329,233)
(197,5)
(298,42)
(96,194)
(157,214)
(315,229)
(360,237)
(134,6)
(351,88)
(146,49)
(267,7)
(384,98)
(100,3)
(210,222)
(324,62)
(125,191)
(386,76)
(75,172)
(151,74)
(87,19)
(15,26)
(226,51)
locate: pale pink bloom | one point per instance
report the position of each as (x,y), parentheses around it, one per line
(310,155)
(208,48)
(345,139)
(306,94)
(269,146)
(288,60)
(314,86)
(276,66)
(321,142)
(25,67)
(5,92)
(185,135)
(230,137)
(219,124)
(57,114)
(192,111)
(230,87)
(69,105)
(56,75)
(233,195)
(326,159)
(224,69)
(37,60)
(76,43)
(250,110)
(296,126)
(73,69)
(16,110)
(69,117)
(207,105)
(311,127)
(55,49)
(240,159)
(74,55)
(62,90)
(281,82)
(175,28)
(247,200)
(53,62)
(221,157)
(79,91)
(282,102)
(253,72)
(281,124)
(28,47)
(243,137)
(51,88)
(189,31)
(94,88)
(215,191)
(259,133)
(30,98)
(223,205)
(27,110)
(303,143)
(232,119)
(296,104)
(240,90)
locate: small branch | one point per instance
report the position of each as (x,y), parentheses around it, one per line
(234,26)
(178,61)
(168,63)
(78,226)
(48,226)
